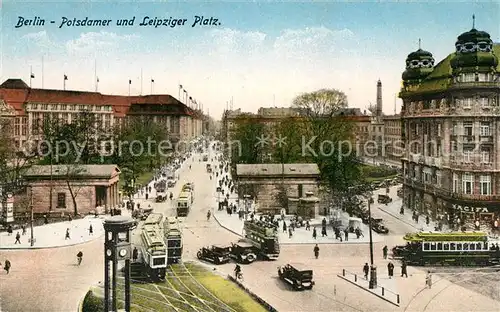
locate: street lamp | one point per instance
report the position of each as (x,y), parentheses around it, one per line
(373,269)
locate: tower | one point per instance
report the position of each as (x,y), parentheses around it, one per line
(379,98)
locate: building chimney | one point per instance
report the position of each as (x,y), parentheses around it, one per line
(379,98)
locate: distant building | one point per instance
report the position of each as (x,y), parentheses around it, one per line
(265,179)
(451,131)
(31,106)
(94,187)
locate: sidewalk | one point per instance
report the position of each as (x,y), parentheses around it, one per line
(394,207)
(53,235)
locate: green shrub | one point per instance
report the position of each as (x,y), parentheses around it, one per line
(92,303)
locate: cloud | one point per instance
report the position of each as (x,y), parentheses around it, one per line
(41,39)
(312,40)
(97,42)
(229,40)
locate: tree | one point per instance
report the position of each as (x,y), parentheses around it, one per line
(290,131)
(245,145)
(72,175)
(328,136)
(372,108)
(280,196)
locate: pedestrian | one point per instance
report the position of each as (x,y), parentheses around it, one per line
(308,226)
(316,251)
(67,234)
(390,269)
(18,238)
(428,280)
(147,195)
(427,220)
(366,268)
(315,234)
(384,251)
(7,266)
(403,269)
(135,254)
(323,231)
(10,230)
(346,234)
(290,233)
(284,226)
(70,218)
(91,230)
(24,229)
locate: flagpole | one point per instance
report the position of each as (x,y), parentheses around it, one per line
(152,81)
(64,82)
(42,72)
(95,74)
(179,96)
(141,81)
(31,74)
(129,83)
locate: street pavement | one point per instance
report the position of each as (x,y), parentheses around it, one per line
(49,280)
(54,234)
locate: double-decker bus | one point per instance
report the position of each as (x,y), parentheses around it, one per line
(154,251)
(173,238)
(264,237)
(455,248)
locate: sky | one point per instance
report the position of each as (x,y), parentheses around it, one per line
(253,53)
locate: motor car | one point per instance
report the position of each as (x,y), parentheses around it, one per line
(297,276)
(379,227)
(171,183)
(400,192)
(243,252)
(384,199)
(216,254)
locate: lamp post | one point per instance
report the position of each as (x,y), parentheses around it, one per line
(373,269)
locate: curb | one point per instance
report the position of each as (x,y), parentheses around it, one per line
(261,301)
(225,227)
(367,290)
(51,247)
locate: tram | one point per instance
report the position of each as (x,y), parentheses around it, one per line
(455,248)
(154,251)
(173,238)
(184,204)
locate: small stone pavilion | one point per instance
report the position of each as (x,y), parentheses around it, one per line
(95,188)
(297,179)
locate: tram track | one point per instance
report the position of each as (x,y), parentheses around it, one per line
(495,267)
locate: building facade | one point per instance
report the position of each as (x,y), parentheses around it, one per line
(264,180)
(451,131)
(32,106)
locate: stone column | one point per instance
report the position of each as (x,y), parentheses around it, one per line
(117,194)
(108,198)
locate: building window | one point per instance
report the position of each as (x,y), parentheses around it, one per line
(484,102)
(468,154)
(467,102)
(485,184)
(81,107)
(53,107)
(455,183)
(468,126)
(485,129)
(427,175)
(61,200)
(485,156)
(34,106)
(71,107)
(24,126)
(438,178)
(467,183)
(17,126)
(63,106)
(469,77)
(45,106)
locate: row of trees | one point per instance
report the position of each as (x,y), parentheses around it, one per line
(134,146)
(313,137)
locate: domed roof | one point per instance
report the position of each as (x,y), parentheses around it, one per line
(478,59)
(474,35)
(418,54)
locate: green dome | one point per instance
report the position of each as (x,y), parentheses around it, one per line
(419,64)
(474,49)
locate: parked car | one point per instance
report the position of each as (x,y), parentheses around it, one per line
(379,227)
(243,252)
(215,254)
(297,276)
(384,199)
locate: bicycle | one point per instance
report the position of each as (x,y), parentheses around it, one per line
(239,277)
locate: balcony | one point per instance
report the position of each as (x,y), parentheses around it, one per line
(475,84)
(475,197)
(468,138)
(486,139)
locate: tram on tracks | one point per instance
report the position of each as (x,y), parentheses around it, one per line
(173,239)
(455,248)
(154,251)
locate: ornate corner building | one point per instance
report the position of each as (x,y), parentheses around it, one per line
(451,131)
